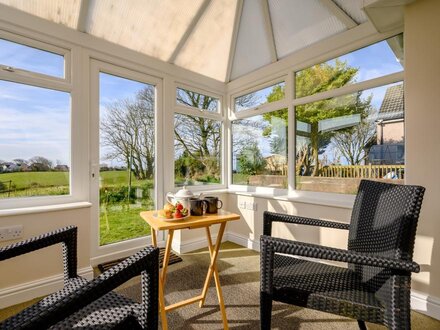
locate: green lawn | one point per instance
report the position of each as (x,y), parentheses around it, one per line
(23,180)
(118,221)
(119,178)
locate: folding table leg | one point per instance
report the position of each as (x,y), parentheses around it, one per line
(166,257)
(163,315)
(213,251)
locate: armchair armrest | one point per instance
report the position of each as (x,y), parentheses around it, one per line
(144,262)
(67,236)
(270,217)
(280,245)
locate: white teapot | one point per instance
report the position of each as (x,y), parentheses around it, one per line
(182,196)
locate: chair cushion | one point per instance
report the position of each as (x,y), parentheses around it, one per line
(32,312)
(324,287)
(111,311)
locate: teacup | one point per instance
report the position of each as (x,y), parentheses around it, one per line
(197,206)
(213,204)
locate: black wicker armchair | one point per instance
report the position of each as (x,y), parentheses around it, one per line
(89,304)
(376,285)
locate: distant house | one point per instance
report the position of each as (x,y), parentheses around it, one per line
(10,167)
(390,148)
(390,120)
(61,168)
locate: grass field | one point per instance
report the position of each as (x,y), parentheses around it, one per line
(23,180)
(118,221)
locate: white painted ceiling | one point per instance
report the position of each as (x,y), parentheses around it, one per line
(221,39)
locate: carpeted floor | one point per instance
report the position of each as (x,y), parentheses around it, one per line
(239,277)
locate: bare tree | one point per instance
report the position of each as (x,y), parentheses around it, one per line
(127,128)
(355,143)
(198,137)
(39,163)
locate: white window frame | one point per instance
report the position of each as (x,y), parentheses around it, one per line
(182,107)
(24,74)
(331,197)
(78,192)
(252,112)
(117,68)
(262,108)
(289,102)
(217,116)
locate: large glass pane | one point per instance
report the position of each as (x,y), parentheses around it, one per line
(31,59)
(34,141)
(197,100)
(373,61)
(341,140)
(266,95)
(259,150)
(197,150)
(127,115)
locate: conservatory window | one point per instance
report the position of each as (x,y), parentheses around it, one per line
(259,150)
(349,115)
(198,132)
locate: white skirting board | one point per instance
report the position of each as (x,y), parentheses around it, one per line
(34,289)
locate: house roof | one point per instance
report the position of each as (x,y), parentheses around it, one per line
(221,39)
(393,103)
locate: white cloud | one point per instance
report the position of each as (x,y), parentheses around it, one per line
(27,134)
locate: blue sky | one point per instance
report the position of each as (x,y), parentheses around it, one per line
(36,121)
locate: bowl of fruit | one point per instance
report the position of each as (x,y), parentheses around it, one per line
(173,212)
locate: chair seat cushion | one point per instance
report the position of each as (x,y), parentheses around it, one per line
(324,287)
(111,311)
(32,313)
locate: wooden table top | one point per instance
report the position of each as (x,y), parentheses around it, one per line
(190,222)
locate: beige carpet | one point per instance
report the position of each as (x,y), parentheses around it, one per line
(239,276)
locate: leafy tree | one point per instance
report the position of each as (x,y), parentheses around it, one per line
(250,160)
(316,79)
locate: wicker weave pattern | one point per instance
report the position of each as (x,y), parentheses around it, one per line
(376,285)
(277,217)
(91,304)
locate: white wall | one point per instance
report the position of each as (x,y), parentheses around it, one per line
(422,108)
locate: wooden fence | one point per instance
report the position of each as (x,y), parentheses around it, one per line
(364,171)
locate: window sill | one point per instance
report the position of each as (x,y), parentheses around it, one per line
(321,199)
(44,208)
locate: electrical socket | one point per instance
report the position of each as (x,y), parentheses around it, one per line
(11,232)
(251,206)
